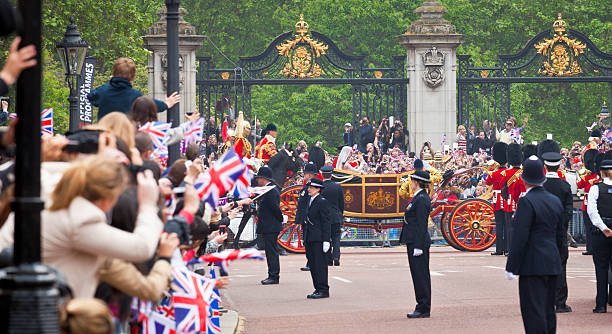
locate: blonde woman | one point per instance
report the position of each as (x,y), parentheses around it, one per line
(76,238)
(462,138)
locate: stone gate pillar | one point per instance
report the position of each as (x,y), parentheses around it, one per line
(189,43)
(431,43)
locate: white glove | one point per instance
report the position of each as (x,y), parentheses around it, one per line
(510,276)
(417,252)
(325,246)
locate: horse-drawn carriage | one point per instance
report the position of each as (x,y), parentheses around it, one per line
(467,224)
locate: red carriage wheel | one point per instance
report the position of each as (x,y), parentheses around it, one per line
(290,237)
(471,225)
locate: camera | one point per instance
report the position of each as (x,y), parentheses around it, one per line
(4,98)
(83,141)
(10,19)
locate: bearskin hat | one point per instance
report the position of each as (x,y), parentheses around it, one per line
(529,150)
(514,154)
(598,159)
(608,155)
(589,159)
(499,152)
(316,155)
(548,145)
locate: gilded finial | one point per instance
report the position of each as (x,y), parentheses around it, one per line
(301,27)
(559,25)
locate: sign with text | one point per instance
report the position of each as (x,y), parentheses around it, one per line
(85,84)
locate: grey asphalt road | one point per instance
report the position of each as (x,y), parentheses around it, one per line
(371,292)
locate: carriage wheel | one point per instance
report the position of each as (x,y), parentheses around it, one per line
(472,225)
(290,237)
(445,226)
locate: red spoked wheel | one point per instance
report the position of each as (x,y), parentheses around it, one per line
(471,225)
(445,227)
(290,237)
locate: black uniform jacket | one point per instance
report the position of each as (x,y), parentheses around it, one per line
(563,191)
(269,215)
(302,206)
(317,227)
(416,218)
(333,194)
(538,235)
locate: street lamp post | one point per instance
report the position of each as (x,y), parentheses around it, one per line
(72,51)
(172,16)
(28,297)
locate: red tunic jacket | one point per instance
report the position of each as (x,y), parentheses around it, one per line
(516,188)
(497,179)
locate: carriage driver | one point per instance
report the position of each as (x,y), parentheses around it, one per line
(416,237)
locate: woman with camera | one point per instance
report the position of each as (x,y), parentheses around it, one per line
(599,210)
(415,235)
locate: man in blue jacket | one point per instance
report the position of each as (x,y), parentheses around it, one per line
(118,94)
(534,254)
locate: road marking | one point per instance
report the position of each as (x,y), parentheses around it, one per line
(449,271)
(435,273)
(594,281)
(570,276)
(242,276)
(342,279)
(494,267)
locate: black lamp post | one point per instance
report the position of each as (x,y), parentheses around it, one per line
(28,297)
(72,51)
(172,16)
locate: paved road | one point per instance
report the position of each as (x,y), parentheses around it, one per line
(372,292)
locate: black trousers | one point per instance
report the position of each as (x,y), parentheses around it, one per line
(270,240)
(509,228)
(317,261)
(588,230)
(602,259)
(334,250)
(245,219)
(537,297)
(500,228)
(421,280)
(561,288)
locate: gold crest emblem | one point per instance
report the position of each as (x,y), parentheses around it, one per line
(560,52)
(380,199)
(348,197)
(302,53)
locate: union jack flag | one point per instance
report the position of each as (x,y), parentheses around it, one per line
(223,258)
(241,188)
(220,178)
(516,136)
(194,131)
(12,115)
(157,131)
(191,299)
(46,122)
(607,136)
(213,324)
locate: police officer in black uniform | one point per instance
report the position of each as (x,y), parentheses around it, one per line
(317,237)
(534,254)
(310,171)
(269,223)
(563,191)
(333,194)
(599,209)
(415,235)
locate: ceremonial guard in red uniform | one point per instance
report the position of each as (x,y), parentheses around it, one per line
(266,148)
(497,179)
(587,178)
(241,144)
(516,188)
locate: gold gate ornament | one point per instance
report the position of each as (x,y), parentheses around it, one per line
(560,62)
(302,52)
